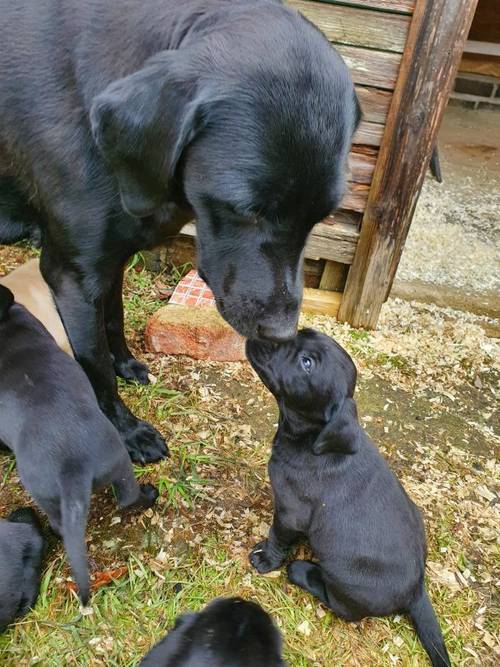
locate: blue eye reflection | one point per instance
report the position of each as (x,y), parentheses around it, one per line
(306,363)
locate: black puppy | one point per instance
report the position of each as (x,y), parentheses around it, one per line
(332,487)
(64,446)
(227,633)
(21,552)
(150,113)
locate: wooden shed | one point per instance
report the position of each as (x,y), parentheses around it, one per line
(403,56)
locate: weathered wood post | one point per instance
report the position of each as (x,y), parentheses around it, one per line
(436,39)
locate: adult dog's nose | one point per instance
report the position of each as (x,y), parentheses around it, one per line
(277,332)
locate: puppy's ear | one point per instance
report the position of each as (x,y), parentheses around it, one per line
(143,123)
(341,433)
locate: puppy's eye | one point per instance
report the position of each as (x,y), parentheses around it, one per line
(306,363)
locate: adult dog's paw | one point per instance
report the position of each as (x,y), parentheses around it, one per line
(132,370)
(144,443)
(264,559)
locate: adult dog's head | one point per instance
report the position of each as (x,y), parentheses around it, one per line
(228,631)
(313,380)
(249,123)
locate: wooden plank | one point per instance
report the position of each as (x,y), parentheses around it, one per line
(361,165)
(474,63)
(321,302)
(341,216)
(357,27)
(435,43)
(374,103)
(356,197)
(483,48)
(401,6)
(369,134)
(334,242)
(371,68)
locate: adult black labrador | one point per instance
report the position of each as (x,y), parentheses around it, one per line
(120,120)
(21,551)
(64,446)
(332,487)
(228,632)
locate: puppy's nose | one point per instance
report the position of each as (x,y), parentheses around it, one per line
(276,333)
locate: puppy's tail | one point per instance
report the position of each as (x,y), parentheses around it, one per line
(423,617)
(75,499)
(6,301)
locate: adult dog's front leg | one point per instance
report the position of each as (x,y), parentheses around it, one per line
(125,364)
(269,554)
(83,317)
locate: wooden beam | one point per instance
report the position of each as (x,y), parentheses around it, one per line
(355,26)
(435,43)
(371,68)
(321,302)
(334,276)
(401,6)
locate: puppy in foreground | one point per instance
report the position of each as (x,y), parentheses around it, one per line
(21,552)
(229,632)
(64,445)
(332,487)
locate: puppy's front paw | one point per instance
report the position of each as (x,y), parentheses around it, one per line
(264,559)
(149,494)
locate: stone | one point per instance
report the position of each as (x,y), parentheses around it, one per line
(198,332)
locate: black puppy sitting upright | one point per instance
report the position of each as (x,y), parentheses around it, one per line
(332,487)
(64,445)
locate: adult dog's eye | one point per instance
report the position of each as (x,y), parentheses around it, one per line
(306,363)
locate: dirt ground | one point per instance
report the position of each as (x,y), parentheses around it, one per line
(427,394)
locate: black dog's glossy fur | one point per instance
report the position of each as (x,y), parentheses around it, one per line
(64,445)
(21,552)
(227,633)
(332,487)
(120,120)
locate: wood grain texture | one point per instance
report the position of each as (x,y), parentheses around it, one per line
(369,134)
(435,42)
(336,242)
(334,276)
(356,197)
(371,68)
(374,103)
(321,302)
(361,164)
(355,26)
(402,6)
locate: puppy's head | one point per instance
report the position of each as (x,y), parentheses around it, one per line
(313,379)
(249,125)
(227,632)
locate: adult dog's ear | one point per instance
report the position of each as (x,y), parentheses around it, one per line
(142,124)
(341,433)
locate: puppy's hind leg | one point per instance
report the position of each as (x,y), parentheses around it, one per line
(309,576)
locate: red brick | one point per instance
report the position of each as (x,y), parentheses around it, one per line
(198,332)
